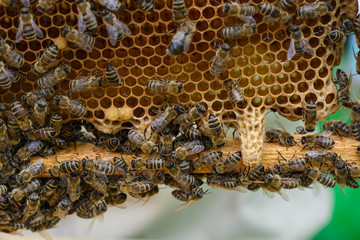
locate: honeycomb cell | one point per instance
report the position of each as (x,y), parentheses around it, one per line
(323,72)
(275,89)
(196,97)
(202,47)
(314,42)
(125,91)
(269,101)
(190,67)
(138,16)
(216,106)
(325,19)
(330,59)
(262,69)
(282,78)
(318,31)
(132,102)
(329,98)
(275,46)
(303,87)
(137,91)
(309,74)
(166,16)
(275,68)
(202,26)
(242,61)
(139,112)
(310,96)
(243,82)
(249,92)
(269,58)
(249,70)
(209,96)
(289,88)
(255,81)
(184,98)
(145,101)
(5,22)
(255,39)
(127,42)
(263,91)
(235,72)
(267,37)
(99,114)
(30,57)
(249,50)
(203,86)
(321,51)
(255,59)
(105,102)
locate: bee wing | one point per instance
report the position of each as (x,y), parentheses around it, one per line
(26,3)
(268,193)
(308,49)
(38,161)
(19,32)
(241,189)
(161,118)
(187,204)
(123,26)
(178,38)
(101,175)
(66,181)
(325,133)
(284,196)
(196,149)
(81,23)
(45,235)
(187,43)
(279,124)
(247,19)
(112,33)
(291,51)
(38,31)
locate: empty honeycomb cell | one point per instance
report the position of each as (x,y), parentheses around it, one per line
(119,102)
(314,42)
(280,35)
(145,101)
(134,29)
(216,106)
(127,42)
(95,54)
(215,85)
(181,59)
(309,74)
(302,65)
(85,95)
(139,112)
(318,31)
(249,92)
(284,110)
(243,82)
(194,14)
(282,78)
(203,86)
(140,41)
(242,61)
(162,71)
(261,48)
(89,64)
(176,69)
(255,39)
(255,81)
(288,66)
(158,100)
(6,22)
(8,98)
(15,88)
(208,76)
(29,56)
(184,98)
(209,96)
(315,62)
(196,97)
(80,54)
(235,72)
(132,102)
(155,61)
(70,20)
(125,91)
(249,50)
(249,70)
(208,12)
(99,92)
(230,63)
(321,51)
(275,68)
(318,84)
(256,102)
(166,16)
(275,46)
(99,114)
(22,46)
(329,98)
(112,92)
(58,20)
(289,88)
(138,16)
(202,47)
(190,67)
(130,81)
(228,105)
(167,60)
(105,102)
(295,76)
(216,23)
(101,43)
(325,19)
(323,72)
(330,59)
(303,87)
(243,41)
(262,69)
(189,87)
(102,64)
(160,50)
(275,89)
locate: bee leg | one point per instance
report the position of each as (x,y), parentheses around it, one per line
(305,146)
(337,132)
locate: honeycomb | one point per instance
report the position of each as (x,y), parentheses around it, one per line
(266,77)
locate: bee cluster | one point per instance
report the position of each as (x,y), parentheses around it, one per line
(271,57)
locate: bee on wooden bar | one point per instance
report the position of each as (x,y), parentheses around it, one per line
(27,28)
(62,208)
(321,139)
(228,164)
(98,166)
(11,57)
(216,131)
(29,149)
(321,177)
(189,148)
(34,170)
(95,182)
(322,156)
(282,137)
(56,122)
(314,10)
(67,166)
(182,39)
(339,127)
(273,183)
(208,160)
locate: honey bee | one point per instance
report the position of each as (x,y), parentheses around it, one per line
(160,86)
(298,44)
(273,13)
(97,183)
(219,61)
(321,139)
(235,32)
(310,116)
(313,10)
(195,114)
(182,39)
(73,187)
(193,133)
(47,60)
(29,149)
(48,189)
(11,57)
(98,166)
(135,187)
(188,149)
(62,208)
(116,29)
(208,160)
(354,171)
(338,37)
(45,133)
(273,183)
(6,77)
(146,5)
(228,164)
(166,143)
(112,144)
(189,198)
(32,206)
(113,5)
(341,173)
(282,137)
(4,139)
(355,130)
(344,85)
(179,13)
(287,3)
(41,109)
(224,182)
(236,9)
(74,107)
(300,130)
(234,92)
(26,3)
(322,178)
(323,156)
(43,5)
(56,122)
(338,127)
(356,23)
(82,40)
(86,18)
(347,26)
(216,130)
(33,171)
(351,182)
(184,181)
(147,147)
(161,121)
(27,27)
(85,84)
(357,58)
(150,163)
(96,210)
(296,165)
(51,79)
(113,77)
(67,166)
(19,193)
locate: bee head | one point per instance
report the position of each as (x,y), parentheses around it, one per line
(57,100)
(329,7)
(100,81)
(42,103)
(154,150)
(311,102)
(254,28)
(109,68)
(66,31)
(225,47)
(105,12)
(303,140)
(340,165)
(226,8)
(180,87)
(66,68)
(19,179)
(211,116)
(295,28)
(335,156)
(24,10)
